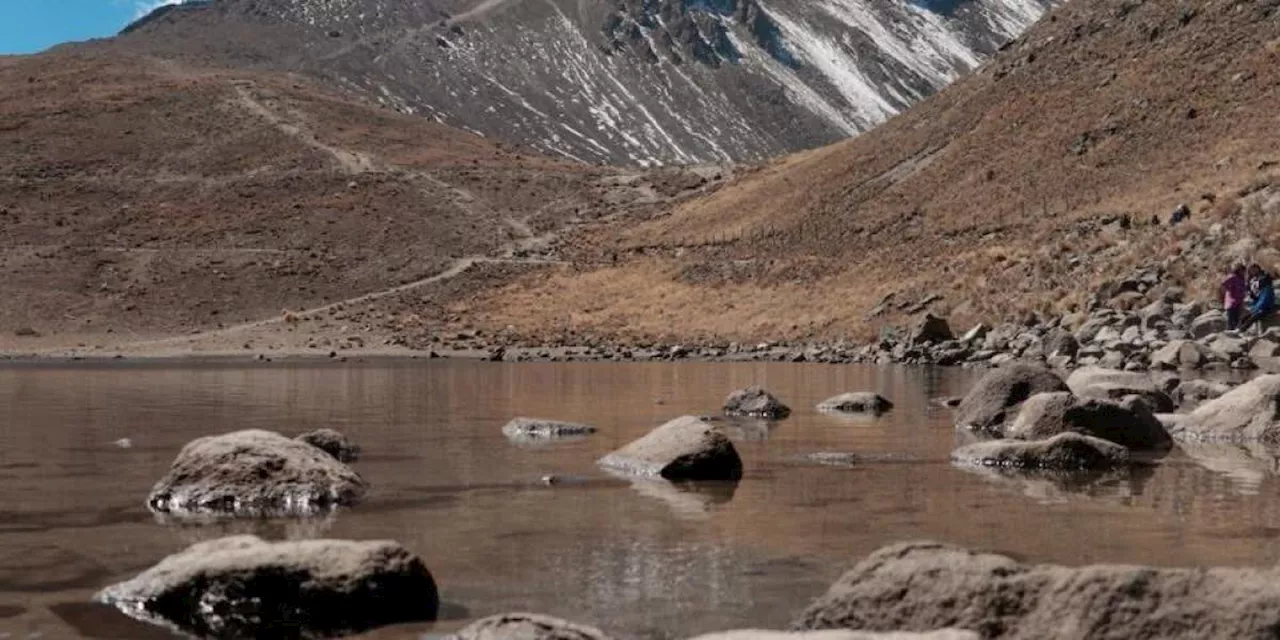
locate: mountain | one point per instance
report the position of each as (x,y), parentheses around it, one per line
(621,82)
(1024,187)
(141,198)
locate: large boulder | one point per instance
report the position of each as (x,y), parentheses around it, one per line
(924,585)
(1063,452)
(929,329)
(242,586)
(1248,413)
(856,402)
(1265,348)
(526,626)
(687,448)
(1229,347)
(755,402)
(1128,422)
(536,429)
(1207,324)
(1113,384)
(996,396)
(332,442)
(1180,354)
(254,472)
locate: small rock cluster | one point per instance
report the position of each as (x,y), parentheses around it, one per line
(1162,335)
(1096,419)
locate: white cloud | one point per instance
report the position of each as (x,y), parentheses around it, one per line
(143,7)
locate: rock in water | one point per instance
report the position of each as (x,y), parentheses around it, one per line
(1064,452)
(242,586)
(924,585)
(1110,384)
(334,443)
(1129,423)
(686,448)
(526,626)
(536,429)
(755,402)
(1248,413)
(856,402)
(991,402)
(254,472)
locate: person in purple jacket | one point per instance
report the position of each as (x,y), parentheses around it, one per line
(1233,289)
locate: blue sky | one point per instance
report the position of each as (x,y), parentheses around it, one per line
(28,26)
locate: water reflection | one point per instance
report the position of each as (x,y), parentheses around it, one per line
(1246,465)
(1120,485)
(687,499)
(96,620)
(748,429)
(192,529)
(865,418)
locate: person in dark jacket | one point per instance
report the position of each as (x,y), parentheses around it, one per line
(1262,296)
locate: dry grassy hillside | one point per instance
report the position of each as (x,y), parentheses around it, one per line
(141,198)
(993,194)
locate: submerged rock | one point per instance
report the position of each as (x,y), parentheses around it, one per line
(755,402)
(991,402)
(537,429)
(254,472)
(925,585)
(333,443)
(687,448)
(526,626)
(1248,413)
(241,586)
(833,458)
(856,402)
(1068,451)
(1128,423)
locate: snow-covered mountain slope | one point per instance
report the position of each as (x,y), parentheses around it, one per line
(642,82)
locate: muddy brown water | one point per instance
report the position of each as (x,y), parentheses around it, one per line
(642,559)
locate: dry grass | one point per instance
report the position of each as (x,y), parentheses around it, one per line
(980,194)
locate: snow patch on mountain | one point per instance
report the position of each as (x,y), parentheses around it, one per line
(649,82)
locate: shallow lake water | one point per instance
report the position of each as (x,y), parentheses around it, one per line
(639,559)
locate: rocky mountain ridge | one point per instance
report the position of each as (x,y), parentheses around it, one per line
(634,82)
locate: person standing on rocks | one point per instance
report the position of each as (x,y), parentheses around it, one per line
(1233,294)
(1262,296)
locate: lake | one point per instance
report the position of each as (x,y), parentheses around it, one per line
(638,559)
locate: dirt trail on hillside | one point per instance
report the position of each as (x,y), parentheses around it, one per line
(352,162)
(459,267)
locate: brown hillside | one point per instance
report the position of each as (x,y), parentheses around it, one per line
(140,198)
(992,194)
